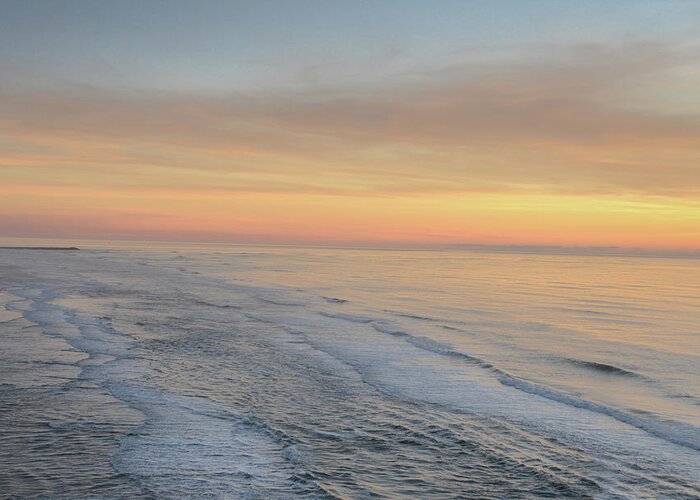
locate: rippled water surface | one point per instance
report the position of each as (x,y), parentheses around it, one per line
(198,371)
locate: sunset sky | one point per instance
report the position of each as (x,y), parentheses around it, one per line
(352,122)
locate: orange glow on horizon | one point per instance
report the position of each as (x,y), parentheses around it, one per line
(530,153)
(503,218)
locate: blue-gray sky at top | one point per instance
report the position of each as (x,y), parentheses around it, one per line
(236,45)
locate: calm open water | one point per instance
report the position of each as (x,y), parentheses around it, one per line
(263,372)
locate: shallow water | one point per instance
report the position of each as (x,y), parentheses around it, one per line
(277,372)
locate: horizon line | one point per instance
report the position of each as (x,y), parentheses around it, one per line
(543,249)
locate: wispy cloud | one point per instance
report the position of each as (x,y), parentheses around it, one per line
(584,145)
(580,120)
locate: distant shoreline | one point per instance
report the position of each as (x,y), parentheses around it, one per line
(39,248)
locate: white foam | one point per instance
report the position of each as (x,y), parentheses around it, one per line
(192,447)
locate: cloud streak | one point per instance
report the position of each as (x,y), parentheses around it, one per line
(583,122)
(567,124)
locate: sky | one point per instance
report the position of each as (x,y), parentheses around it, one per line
(352,123)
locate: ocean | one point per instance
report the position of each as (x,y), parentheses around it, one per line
(177,371)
